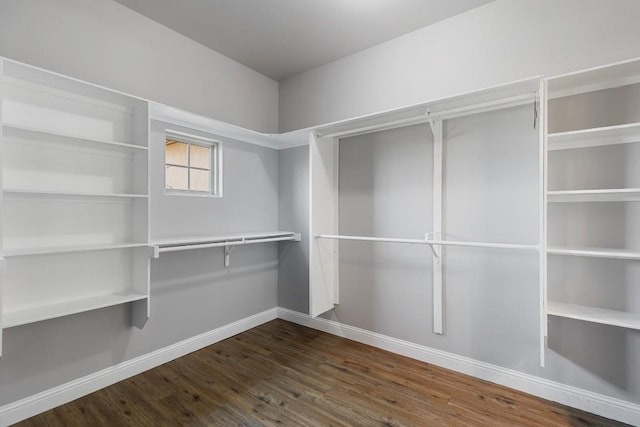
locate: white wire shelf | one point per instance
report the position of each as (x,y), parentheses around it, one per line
(594,314)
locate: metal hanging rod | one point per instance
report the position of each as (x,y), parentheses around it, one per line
(431,242)
(227,243)
(379,239)
(482,244)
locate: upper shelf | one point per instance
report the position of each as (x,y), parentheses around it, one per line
(9,131)
(23,74)
(494,98)
(599,78)
(595,137)
(606,195)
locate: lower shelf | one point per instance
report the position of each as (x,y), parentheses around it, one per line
(51,311)
(593,314)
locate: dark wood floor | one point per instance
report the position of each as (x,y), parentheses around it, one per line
(285,374)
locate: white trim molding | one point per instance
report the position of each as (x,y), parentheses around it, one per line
(567,395)
(48,399)
(585,400)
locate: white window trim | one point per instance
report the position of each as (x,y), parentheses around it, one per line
(216,164)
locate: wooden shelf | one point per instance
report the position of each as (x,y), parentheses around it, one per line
(605,195)
(62,138)
(39,313)
(595,252)
(594,137)
(70,194)
(594,314)
(69,249)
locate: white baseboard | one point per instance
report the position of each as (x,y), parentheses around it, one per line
(48,399)
(578,398)
(599,404)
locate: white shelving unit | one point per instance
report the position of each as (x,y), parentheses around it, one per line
(324,187)
(75,190)
(595,121)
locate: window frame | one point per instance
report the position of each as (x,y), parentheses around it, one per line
(215,162)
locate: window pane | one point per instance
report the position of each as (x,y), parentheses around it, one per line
(176,178)
(200,180)
(200,156)
(176,152)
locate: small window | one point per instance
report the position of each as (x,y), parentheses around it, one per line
(191,165)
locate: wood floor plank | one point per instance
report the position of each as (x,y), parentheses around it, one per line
(283,374)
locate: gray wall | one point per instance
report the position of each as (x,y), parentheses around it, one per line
(502,41)
(191,292)
(105,43)
(293,215)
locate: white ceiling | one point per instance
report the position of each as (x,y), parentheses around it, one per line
(280,38)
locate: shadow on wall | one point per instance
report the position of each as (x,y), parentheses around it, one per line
(600,349)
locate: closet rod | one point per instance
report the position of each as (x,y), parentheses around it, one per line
(452,113)
(373,239)
(482,244)
(431,242)
(243,241)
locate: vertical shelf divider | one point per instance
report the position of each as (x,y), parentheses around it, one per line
(3,264)
(438,163)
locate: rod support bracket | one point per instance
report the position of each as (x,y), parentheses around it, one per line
(227,253)
(431,123)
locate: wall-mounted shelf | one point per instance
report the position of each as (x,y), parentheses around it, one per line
(43,136)
(594,314)
(9,253)
(594,137)
(226,241)
(65,308)
(75,189)
(14,192)
(605,195)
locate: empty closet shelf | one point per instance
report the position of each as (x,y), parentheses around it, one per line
(594,314)
(38,313)
(594,137)
(70,248)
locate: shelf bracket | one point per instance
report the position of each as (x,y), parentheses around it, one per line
(227,253)
(431,123)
